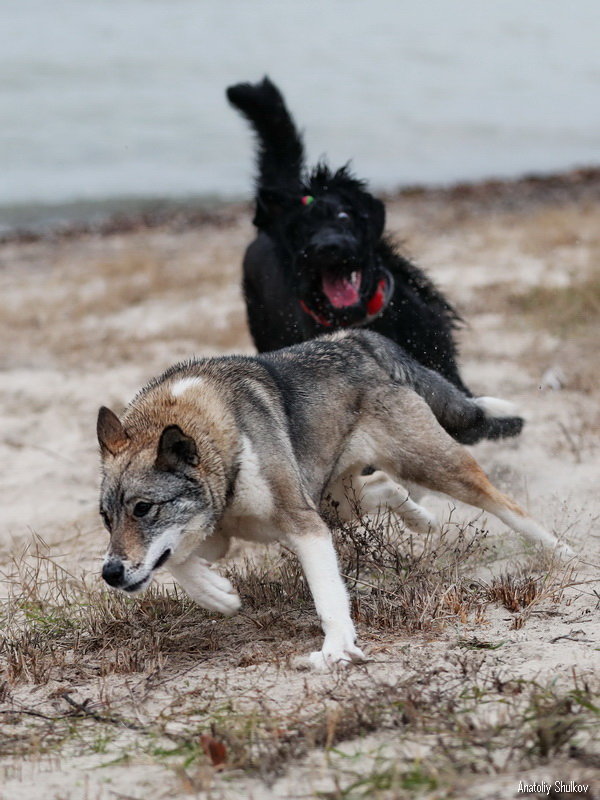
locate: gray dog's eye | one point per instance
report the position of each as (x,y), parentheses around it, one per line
(343,215)
(141,509)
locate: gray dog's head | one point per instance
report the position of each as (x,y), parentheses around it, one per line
(152,500)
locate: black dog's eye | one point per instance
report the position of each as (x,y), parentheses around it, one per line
(105,520)
(141,509)
(343,215)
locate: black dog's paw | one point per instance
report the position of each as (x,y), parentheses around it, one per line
(253,97)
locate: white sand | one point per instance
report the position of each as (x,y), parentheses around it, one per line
(85,322)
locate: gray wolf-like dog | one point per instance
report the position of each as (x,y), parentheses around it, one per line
(255,447)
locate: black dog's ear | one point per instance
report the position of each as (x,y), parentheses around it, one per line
(270,204)
(377,217)
(175,449)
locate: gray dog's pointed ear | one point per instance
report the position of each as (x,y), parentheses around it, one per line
(175,449)
(111,434)
(377,217)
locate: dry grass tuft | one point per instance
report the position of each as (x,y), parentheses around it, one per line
(515,592)
(522,593)
(399,581)
(60,627)
(396,581)
(65,629)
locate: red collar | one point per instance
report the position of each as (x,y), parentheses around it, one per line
(376,304)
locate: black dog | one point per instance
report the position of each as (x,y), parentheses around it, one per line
(321,262)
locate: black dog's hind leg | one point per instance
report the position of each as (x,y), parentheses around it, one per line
(280,147)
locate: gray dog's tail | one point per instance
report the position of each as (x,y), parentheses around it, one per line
(466,419)
(492,418)
(280,147)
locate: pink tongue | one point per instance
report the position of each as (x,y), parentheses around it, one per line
(340,291)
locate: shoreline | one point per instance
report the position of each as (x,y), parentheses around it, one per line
(530,190)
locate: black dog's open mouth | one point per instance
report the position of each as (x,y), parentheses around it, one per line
(342,291)
(344,300)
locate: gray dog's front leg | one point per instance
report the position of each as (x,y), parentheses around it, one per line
(201,581)
(319,562)
(205,586)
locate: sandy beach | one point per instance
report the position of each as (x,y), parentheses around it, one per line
(103,698)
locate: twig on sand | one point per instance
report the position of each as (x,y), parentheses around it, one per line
(83,709)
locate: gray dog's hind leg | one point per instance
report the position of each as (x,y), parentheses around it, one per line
(375,492)
(428,456)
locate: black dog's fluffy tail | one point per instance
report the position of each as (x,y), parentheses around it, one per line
(280,147)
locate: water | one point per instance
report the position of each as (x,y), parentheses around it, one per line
(112,100)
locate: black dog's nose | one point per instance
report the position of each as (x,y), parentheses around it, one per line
(331,244)
(330,250)
(113,572)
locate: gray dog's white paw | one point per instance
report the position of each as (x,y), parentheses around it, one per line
(213,592)
(424,522)
(219,582)
(223,602)
(564,551)
(226,603)
(219,595)
(326,661)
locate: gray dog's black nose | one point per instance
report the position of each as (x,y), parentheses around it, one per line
(113,572)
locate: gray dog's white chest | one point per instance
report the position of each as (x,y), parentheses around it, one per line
(250,513)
